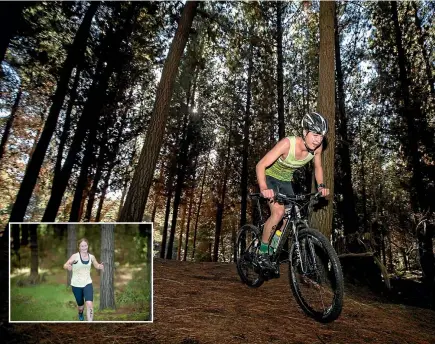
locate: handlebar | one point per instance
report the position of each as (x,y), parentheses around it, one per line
(286,199)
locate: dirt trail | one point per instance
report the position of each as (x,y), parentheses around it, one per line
(207,303)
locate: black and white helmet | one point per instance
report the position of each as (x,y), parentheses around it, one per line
(315,122)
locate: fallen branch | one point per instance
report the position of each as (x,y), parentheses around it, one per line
(364,254)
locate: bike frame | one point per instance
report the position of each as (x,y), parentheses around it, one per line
(293,223)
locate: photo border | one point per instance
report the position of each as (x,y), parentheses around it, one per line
(84,322)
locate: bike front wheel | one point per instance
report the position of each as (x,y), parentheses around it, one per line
(248,243)
(315,275)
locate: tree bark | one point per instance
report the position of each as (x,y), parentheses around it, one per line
(24,235)
(91,113)
(280,70)
(165,226)
(71,249)
(96,181)
(138,193)
(350,219)
(103,195)
(410,114)
(11,13)
(9,123)
(189,217)
(429,75)
(221,202)
(34,259)
(322,219)
(16,238)
(198,211)
(158,190)
(107,290)
(180,238)
(245,172)
(82,182)
(35,163)
(127,180)
(145,231)
(67,123)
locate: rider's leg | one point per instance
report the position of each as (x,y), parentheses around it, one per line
(79,296)
(277,213)
(89,296)
(90,310)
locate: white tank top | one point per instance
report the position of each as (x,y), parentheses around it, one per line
(81,273)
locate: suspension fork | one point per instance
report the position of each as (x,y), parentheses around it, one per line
(297,247)
(311,250)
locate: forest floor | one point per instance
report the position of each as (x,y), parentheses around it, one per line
(207,303)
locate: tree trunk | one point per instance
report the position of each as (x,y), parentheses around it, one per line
(180,238)
(95,182)
(165,226)
(350,219)
(245,172)
(127,180)
(34,264)
(189,217)
(24,235)
(138,193)
(103,195)
(234,242)
(182,160)
(198,211)
(410,114)
(16,238)
(107,290)
(280,70)
(429,75)
(82,182)
(11,13)
(145,231)
(35,163)
(221,201)
(322,219)
(363,179)
(91,113)
(158,191)
(71,249)
(67,123)
(9,123)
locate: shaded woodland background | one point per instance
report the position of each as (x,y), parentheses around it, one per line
(41,288)
(159,111)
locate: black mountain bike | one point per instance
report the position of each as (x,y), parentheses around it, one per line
(315,275)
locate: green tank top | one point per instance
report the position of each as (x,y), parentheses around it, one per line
(284,169)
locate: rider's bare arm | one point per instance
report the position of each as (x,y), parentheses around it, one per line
(96,264)
(318,170)
(281,148)
(69,262)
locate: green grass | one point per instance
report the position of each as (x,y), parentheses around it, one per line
(43,302)
(51,301)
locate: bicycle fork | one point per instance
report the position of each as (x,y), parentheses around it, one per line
(299,260)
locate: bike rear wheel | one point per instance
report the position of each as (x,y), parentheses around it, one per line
(248,243)
(316,278)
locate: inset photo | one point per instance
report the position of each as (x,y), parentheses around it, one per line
(78,272)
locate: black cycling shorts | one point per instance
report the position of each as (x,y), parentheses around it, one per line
(82,294)
(279,186)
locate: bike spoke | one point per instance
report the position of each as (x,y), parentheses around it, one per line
(247,245)
(314,279)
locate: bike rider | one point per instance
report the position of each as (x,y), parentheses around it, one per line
(275,172)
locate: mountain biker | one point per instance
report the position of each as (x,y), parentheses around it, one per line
(81,283)
(275,171)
